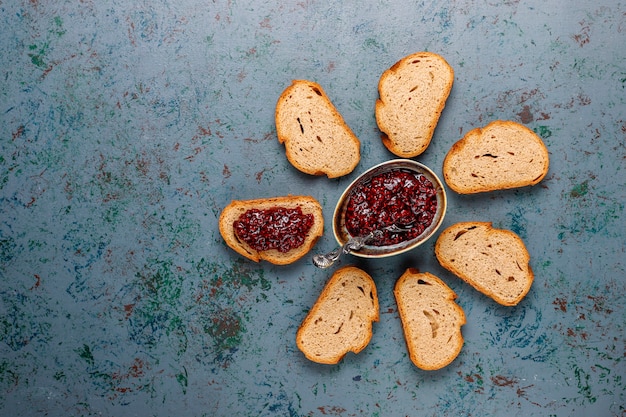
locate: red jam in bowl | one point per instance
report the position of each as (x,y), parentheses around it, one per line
(278,228)
(403,198)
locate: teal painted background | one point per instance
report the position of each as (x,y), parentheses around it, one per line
(126,126)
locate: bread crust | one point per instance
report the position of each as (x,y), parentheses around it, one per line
(502,155)
(493,261)
(412,95)
(232,211)
(317,139)
(431,319)
(338,312)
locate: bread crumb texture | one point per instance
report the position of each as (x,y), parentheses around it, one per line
(412,95)
(341,319)
(431,319)
(493,261)
(317,139)
(502,155)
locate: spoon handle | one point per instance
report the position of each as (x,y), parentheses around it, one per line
(326,260)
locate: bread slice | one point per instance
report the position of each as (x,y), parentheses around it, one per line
(502,155)
(341,319)
(431,319)
(317,139)
(493,261)
(236,208)
(412,95)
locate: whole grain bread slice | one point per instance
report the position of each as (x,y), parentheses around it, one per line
(502,155)
(341,319)
(232,212)
(493,261)
(317,139)
(412,95)
(431,319)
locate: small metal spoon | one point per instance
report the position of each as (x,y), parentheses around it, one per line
(355,243)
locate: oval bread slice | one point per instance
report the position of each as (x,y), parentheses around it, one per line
(502,155)
(412,95)
(236,208)
(493,261)
(341,319)
(317,139)
(431,319)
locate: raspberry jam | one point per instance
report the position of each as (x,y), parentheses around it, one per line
(403,198)
(278,228)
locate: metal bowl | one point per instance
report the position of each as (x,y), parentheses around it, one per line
(372,251)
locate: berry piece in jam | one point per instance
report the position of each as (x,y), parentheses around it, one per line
(395,197)
(277,228)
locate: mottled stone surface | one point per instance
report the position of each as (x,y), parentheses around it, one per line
(126,126)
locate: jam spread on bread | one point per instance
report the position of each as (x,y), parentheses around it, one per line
(277,228)
(399,197)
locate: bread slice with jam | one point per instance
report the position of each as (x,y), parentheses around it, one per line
(341,319)
(279,230)
(316,137)
(431,319)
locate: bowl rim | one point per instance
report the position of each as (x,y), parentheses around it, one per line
(369,251)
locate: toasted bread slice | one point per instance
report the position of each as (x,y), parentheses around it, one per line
(431,319)
(412,95)
(317,139)
(493,261)
(341,319)
(502,155)
(236,208)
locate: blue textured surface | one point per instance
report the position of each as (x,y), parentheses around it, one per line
(126,126)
